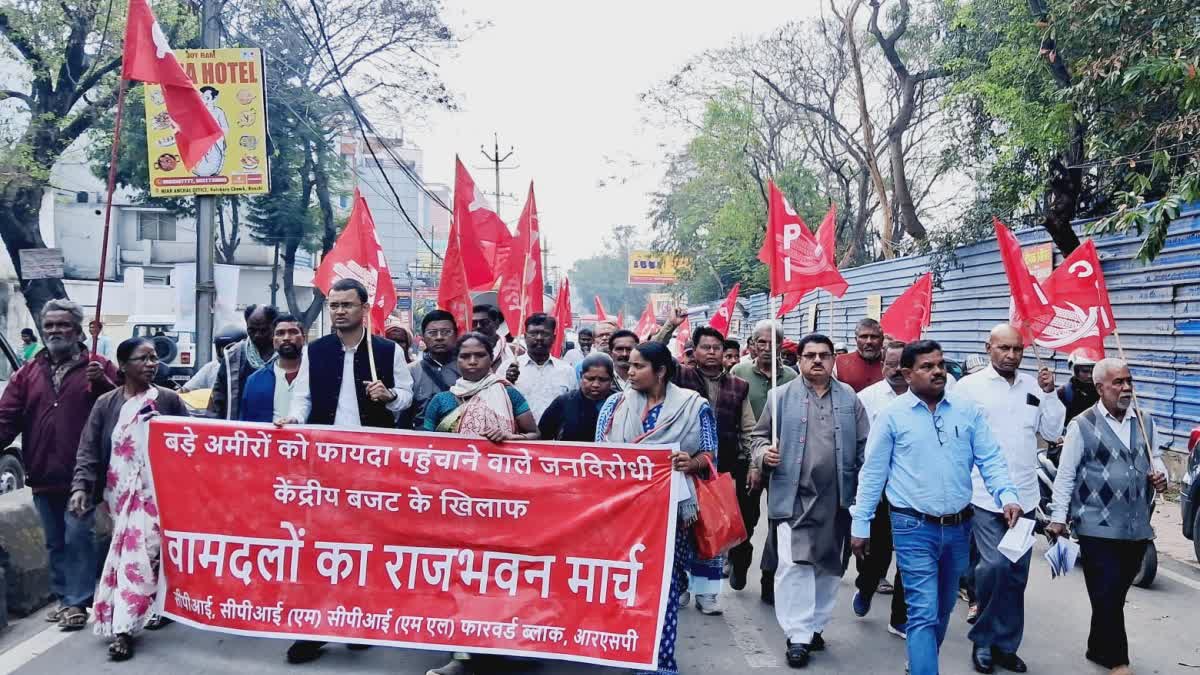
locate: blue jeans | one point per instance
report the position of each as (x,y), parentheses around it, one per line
(931,559)
(71,545)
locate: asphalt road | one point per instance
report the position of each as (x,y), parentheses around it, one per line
(1161,621)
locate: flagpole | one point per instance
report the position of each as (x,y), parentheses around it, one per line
(370,347)
(1137,406)
(112,185)
(774,376)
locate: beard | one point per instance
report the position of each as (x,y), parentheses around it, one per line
(288,351)
(60,346)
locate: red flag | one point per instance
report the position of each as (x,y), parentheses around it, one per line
(1082,314)
(799,261)
(148,58)
(646,322)
(621,320)
(1030,309)
(358,255)
(562,316)
(911,312)
(601,315)
(483,237)
(683,334)
(724,315)
(521,282)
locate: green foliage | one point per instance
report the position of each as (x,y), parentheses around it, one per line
(606,275)
(713,209)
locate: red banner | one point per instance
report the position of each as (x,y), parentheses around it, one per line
(427,541)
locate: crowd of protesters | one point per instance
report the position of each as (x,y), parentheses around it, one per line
(875,453)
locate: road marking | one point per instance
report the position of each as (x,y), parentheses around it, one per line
(32,648)
(1176,576)
(747,636)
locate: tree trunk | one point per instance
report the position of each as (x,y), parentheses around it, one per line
(1065,185)
(20,211)
(888,233)
(909,221)
(308,315)
(275,277)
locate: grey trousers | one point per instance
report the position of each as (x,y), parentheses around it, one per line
(999,587)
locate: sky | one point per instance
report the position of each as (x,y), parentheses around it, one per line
(559,82)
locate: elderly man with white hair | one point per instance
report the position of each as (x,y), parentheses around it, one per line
(1110,463)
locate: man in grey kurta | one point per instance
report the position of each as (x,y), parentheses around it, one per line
(813,474)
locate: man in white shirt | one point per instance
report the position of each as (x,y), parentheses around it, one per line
(1017,408)
(336,386)
(577,354)
(267,395)
(541,377)
(873,568)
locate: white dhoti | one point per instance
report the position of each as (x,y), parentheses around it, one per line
(804,596)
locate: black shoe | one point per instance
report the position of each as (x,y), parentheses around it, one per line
(797,655)
(817,644)
(981,658)
(768,588)
(356,647)
(737,578)
(304,651)
(1008,661)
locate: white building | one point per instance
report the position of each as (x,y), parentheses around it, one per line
(149,238)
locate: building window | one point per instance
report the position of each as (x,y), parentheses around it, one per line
(81,197)
(157,226)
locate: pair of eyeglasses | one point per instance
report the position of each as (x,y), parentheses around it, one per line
(149,358)
(439,332)
(939,425)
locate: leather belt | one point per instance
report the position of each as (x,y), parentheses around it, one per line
(952,519)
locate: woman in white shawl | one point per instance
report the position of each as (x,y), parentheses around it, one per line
(481,402)
(653,410)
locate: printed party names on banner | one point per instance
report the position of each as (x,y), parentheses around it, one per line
(553,550)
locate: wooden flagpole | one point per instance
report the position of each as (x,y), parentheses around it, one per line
(370,347)
(112,184)
(1137,407)
(774,376)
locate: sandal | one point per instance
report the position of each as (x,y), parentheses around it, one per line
(121,648)
(72,619)
(158,623)
(55,615)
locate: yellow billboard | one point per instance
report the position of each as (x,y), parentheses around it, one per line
(653,268)
(231,83)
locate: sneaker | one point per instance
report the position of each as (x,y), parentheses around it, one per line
(861,604)
(899,631)
(709,604)
(972,613)
(455,667)
(685,599)
(797,655)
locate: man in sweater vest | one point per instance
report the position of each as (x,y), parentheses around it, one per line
(864,367)
(336,386)
(1110,461)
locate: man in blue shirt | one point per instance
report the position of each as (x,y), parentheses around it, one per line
(922,447)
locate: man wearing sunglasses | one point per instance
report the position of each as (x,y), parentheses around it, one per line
(923,447)
(812,469)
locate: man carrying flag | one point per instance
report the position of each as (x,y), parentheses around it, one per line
(521,284)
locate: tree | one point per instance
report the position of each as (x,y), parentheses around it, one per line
(606,275)
(1078,108)
(66,51)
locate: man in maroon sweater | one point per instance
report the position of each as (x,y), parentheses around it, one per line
(47,403)
(864,367)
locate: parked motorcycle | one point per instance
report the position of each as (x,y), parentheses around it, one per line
(1046,471)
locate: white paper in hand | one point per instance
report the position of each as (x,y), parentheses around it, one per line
(1018,540)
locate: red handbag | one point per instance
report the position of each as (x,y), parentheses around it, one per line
(720,526)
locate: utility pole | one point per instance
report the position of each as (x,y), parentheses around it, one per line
(495,159)
(206,208)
